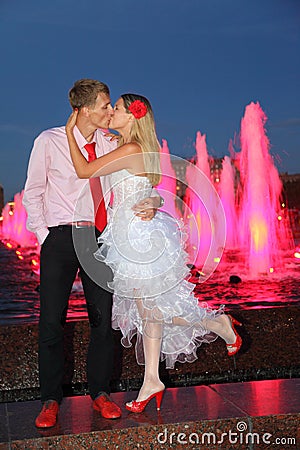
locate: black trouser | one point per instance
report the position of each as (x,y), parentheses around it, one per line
(59,265)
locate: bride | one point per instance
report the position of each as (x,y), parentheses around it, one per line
(152,298)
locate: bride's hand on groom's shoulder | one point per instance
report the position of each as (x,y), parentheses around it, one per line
(111,136)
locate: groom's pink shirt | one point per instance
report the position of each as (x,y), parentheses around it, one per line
(53,193)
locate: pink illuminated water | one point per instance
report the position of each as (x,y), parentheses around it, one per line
(14,223)
(14,234)
(196,215)
(257,225)
(167,186)
(226,190)
(262,232)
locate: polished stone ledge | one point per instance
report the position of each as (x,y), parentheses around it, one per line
(270,351)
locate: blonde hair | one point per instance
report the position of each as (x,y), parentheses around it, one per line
(143,132)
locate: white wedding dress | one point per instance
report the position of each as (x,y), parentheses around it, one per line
(150,283)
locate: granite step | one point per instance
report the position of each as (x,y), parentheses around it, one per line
(243,415)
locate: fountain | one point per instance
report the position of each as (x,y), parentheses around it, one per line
(257,224)
(226,191)
(167,186)
(14,234)
(263,233)
(14,223)
(201,205)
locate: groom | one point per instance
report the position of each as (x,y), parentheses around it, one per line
(59,209)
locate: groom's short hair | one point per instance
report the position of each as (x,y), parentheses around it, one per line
(85,92)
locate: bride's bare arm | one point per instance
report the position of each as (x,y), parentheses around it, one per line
(128,156)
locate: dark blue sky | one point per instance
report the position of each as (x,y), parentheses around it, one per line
(200,62)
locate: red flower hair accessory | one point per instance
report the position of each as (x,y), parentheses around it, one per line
(138,109)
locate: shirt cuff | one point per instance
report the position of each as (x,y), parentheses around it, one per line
(41,235)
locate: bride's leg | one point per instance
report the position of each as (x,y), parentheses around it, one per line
(152,338)
(181,322)
(220,325)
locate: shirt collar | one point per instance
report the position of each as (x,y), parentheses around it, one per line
(81,141)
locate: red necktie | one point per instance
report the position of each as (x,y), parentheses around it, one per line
(97,194)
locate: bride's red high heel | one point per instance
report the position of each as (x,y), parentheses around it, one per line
(232,349)
(138,407)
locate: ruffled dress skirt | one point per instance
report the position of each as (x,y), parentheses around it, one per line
(151,286)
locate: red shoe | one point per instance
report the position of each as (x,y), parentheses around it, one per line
(232,349)
(138,407)
(48,415)
(107,408)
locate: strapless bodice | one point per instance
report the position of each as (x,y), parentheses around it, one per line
(129,189)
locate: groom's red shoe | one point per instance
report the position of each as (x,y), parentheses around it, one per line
(107,408)
(48,415)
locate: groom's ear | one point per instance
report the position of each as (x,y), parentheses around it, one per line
(85,111)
